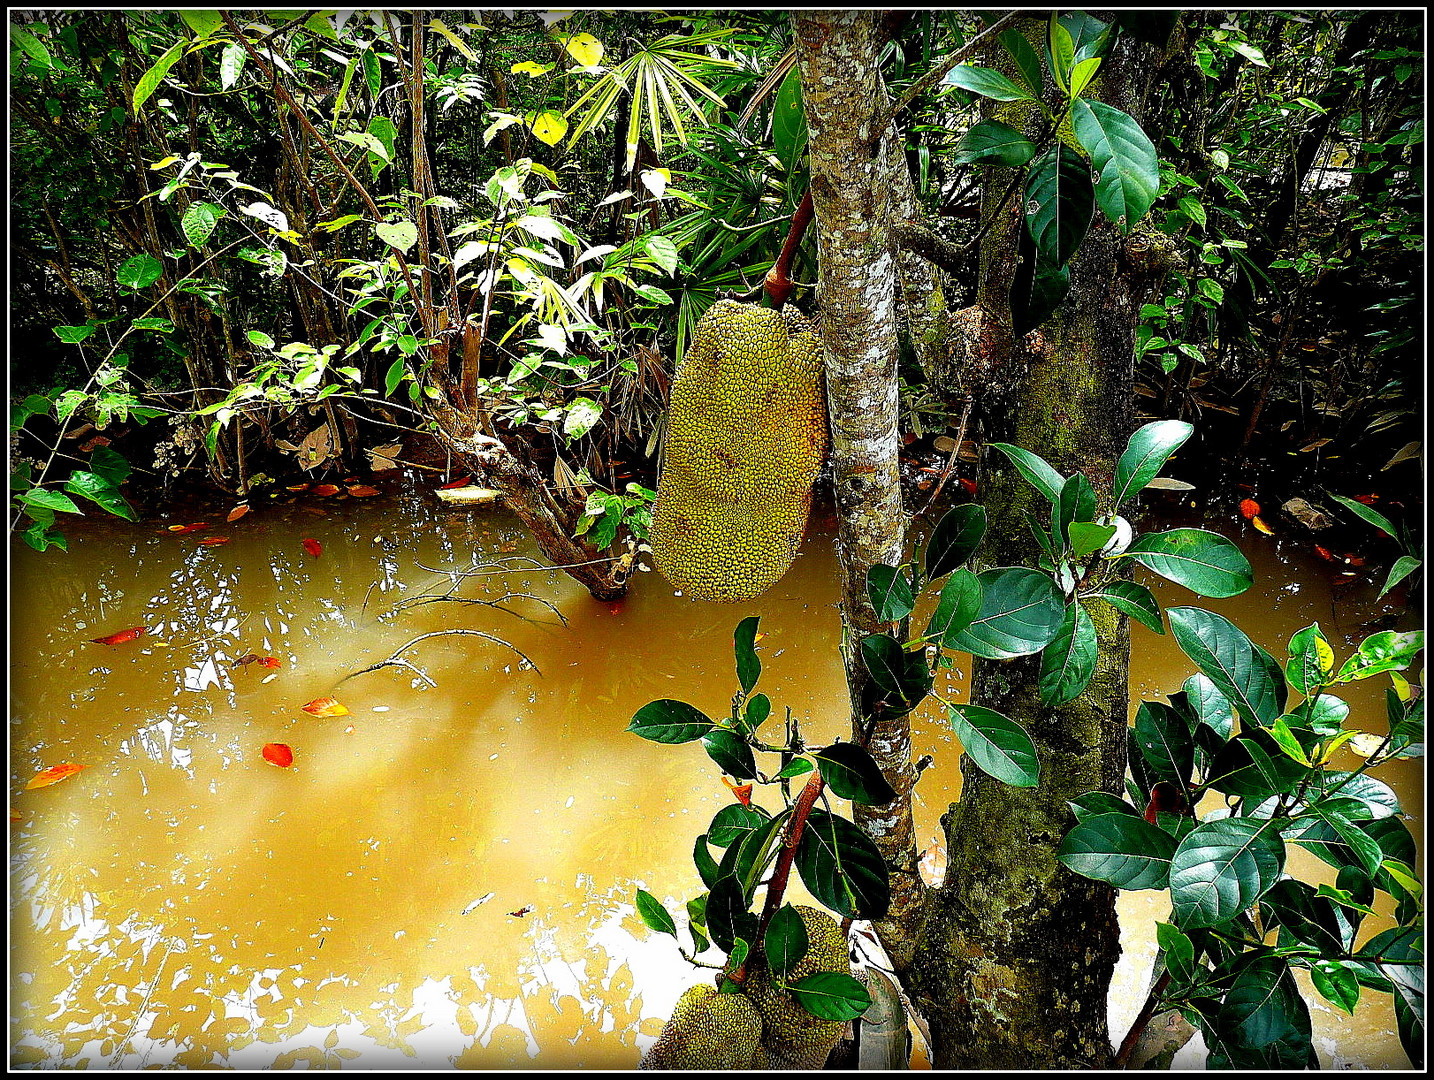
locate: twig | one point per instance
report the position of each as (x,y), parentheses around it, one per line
(394,660)
(1141,1022)
(951,461)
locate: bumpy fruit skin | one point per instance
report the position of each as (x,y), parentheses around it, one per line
(794,1038)
(709,1030)
(746,436)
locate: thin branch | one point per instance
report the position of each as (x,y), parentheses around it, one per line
(395,660)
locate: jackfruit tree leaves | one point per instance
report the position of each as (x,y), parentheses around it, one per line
(1131,599)
(1127,169)
(1037,289)
(669,721)
(1253,767)
(1093,803)
(734,822)
(707,868)
(1165,742)
(842,868)
(1036,470)
(1221,868)
(1205,562)
(993,143)
(1310,919)
(653,915)
(1211,707)
(902,677)
(1068,662)
(727,916)
(1059,204)
(1262,1022)
(1145,454)
(1060,51)
(1075,503)
(890,592)
(1366,513)
(1311,660)
(1242,671)
(955,539)
(731,752)
(745,649)
(139,272)
(831,995)
(1179,956)
(1087,537)
(785,942)
(1403,943)
(852,773)
(987,82)
(1021,611)
(1120,849)
(1028,62)
(1388,650)
(958,603)
(1090,37)
(759,707)
(998,744)
(747,858)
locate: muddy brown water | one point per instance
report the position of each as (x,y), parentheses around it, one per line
(445,875)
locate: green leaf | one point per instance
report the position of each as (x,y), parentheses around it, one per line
(785,942)
(956,537)
(831,995)
(199,222)
(150,80)
(731,752)
(1228,658)
(1388,650)
(1193,209)
(726,908)
(958,604)
(109,465)
(986,82)
(1048,286)
(1365,849)
(796,767)
(734,823)
(1087,537)
(999,745)
(1068,662)
(654,916)
(203,23)
(1126,166)
(1093,803)
(231,63)
(1262,1021)
(399,234)
(901,676)
(993,143)
(661,250)
(73,335)
(759,707)
(1146,454)
(1376,796)
(1076,503)
(1253,767)
(1037,472)
(1205,562)
(852,773)
(842,868)
(1060,51)
(707,867)
(789,122)
(1165,743)
(50,500)
(35,49)
(1402,568)
(1311,659)
(100,491)
(1221,868)
(1134,600)
(668,721)
(890,593)
(1059,200)
(1120,849)
(1028,64)
(744,648)
(1179,953)
(1336,983)
(139,272)
(1021,611)
(582,413)
(1365,513)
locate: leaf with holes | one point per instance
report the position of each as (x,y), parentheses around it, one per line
(399,234)
(199,222)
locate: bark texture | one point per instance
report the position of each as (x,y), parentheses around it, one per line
(838,53)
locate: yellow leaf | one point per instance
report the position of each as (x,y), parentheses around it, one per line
(530,69)
(1401,686)
(549,126)
(584,48)
(325,706)
(53,775)
(437,26)
(165,163)
(1259,523)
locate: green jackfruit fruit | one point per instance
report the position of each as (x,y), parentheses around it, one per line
(746,435)
(709,1030)
(793,1037)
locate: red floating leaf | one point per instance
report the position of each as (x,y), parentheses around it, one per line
(1353,560)
(1327,554)
(1249,508)
(1259,523)
(325,706)
(313,547)
(269,662)
(1368,500)
(969,485)
(462,481)
(121,636)
(326,489)
(524,910)
(298,487)
(238,512)
(180,530)
(53,775)
(213,541)
(280,754)
(363,491)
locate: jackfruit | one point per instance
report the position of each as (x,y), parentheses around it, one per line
(746,435)
(709,1030)
(793,1037)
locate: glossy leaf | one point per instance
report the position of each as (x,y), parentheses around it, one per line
(759,707)
(956,537)
(993,143)
(1120,849)
(1047,287)
(1253,767)
(1133,600)
(1036,470)
(277,753)
(150,80)
(1028,63)
(733,823)
(707,867)
(852,773)
(1088,537)
(1021,612)
(744,647)
(1228,658)
(1211,707)
(1336,982)
(999,745)
(842,868)
(785,941)
(119,637)
(53,775)
(1146,453)
(669,721)
(1068,662)
(313,547)
(726,906)
(957,605)
(199,221)
(1262,1021)
(901,676)
(1376,796)
(730,752)
(1311,660)
(831,995)
(1059,200)
(1204,562)
(1093,803)
(1075,503)
(986,82)
(1165,743)
(1366,513)
(1388,650)
(1221,868)
(101,492)
(654,916)
(1124,159)
(890,593)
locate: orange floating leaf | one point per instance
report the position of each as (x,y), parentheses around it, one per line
(280,754)
(462,481)
(238,512)
(213,541)
(269,661)
(14,814)
(969,486)
(313,547)
(53,775)
(298,487)
(121,636)
(1249,508)
(326,489)
(325,706)
(180,530)
(1259,523)
(1326,553)
(363,491)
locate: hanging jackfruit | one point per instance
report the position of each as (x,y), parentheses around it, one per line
(793,1037)
(746,436)
(709,1030)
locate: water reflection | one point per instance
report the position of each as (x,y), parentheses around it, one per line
(182,902)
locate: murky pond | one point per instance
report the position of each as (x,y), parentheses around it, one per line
(445,875)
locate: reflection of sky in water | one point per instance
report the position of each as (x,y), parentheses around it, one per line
(180,902)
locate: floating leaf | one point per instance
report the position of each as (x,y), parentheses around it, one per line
(325,706)
(325,490)
(280,754)
(1249,508)
(213,541)
(1259,523)
(362,491)
(462,481)
(238,512)
(53,775)
(526,909)
(180,530)
(121,636)
(269,662)
(313,547)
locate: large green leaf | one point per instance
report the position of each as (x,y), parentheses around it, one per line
(958,603)
(993,143)
(890,592)
(1058,200)
(998,744)
(1262,1021)
(150,80)
(730,751)
(1028,62)
(669,721)
(727,914)
(1034,299)
(1204,562)
(734,822)
(1146,454)
(789,122)
(1365,849)
(1365,513)
(1021,611)
(842,868)
(1089,36)
(955,538)
(199,221)
(1165,742)
(852,773)
(1120,849)
(831,995)
(902,677)
(1253,767)
(1036,470)
(744,649)
(1211,707)
(1388,650)
(1221,868)
(785,941)
(1134,600)
(139,272)
(986,82)
(1230,661)
(1124,159)
(1068,662)
(101,491)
